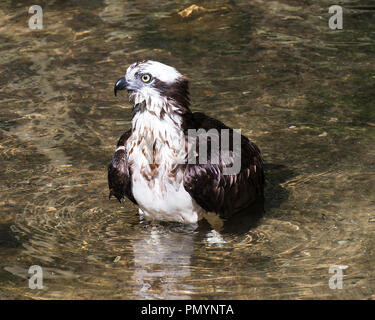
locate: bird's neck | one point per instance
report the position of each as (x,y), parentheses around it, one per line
(156,117)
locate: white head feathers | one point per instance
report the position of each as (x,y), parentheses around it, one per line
(157,69)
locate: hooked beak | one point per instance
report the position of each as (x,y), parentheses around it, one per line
(121,84)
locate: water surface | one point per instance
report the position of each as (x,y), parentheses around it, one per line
(304,93)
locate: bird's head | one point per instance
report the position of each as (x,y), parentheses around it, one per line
(154,86)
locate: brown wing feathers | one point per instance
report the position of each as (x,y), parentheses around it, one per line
(225,194)
(119,175)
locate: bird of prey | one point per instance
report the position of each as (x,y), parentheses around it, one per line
(151,164)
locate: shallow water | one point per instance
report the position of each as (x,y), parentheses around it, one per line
(304,93)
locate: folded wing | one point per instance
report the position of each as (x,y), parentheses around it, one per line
(216,192)
(119,173)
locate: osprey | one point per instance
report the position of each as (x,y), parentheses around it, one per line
(151,164)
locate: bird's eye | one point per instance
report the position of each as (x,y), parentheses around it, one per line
(146,77)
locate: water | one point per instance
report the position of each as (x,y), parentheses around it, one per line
(304,93)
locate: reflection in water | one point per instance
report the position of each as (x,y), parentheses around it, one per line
(162,260)
(302,92)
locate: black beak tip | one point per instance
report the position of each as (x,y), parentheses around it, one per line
(121,84)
